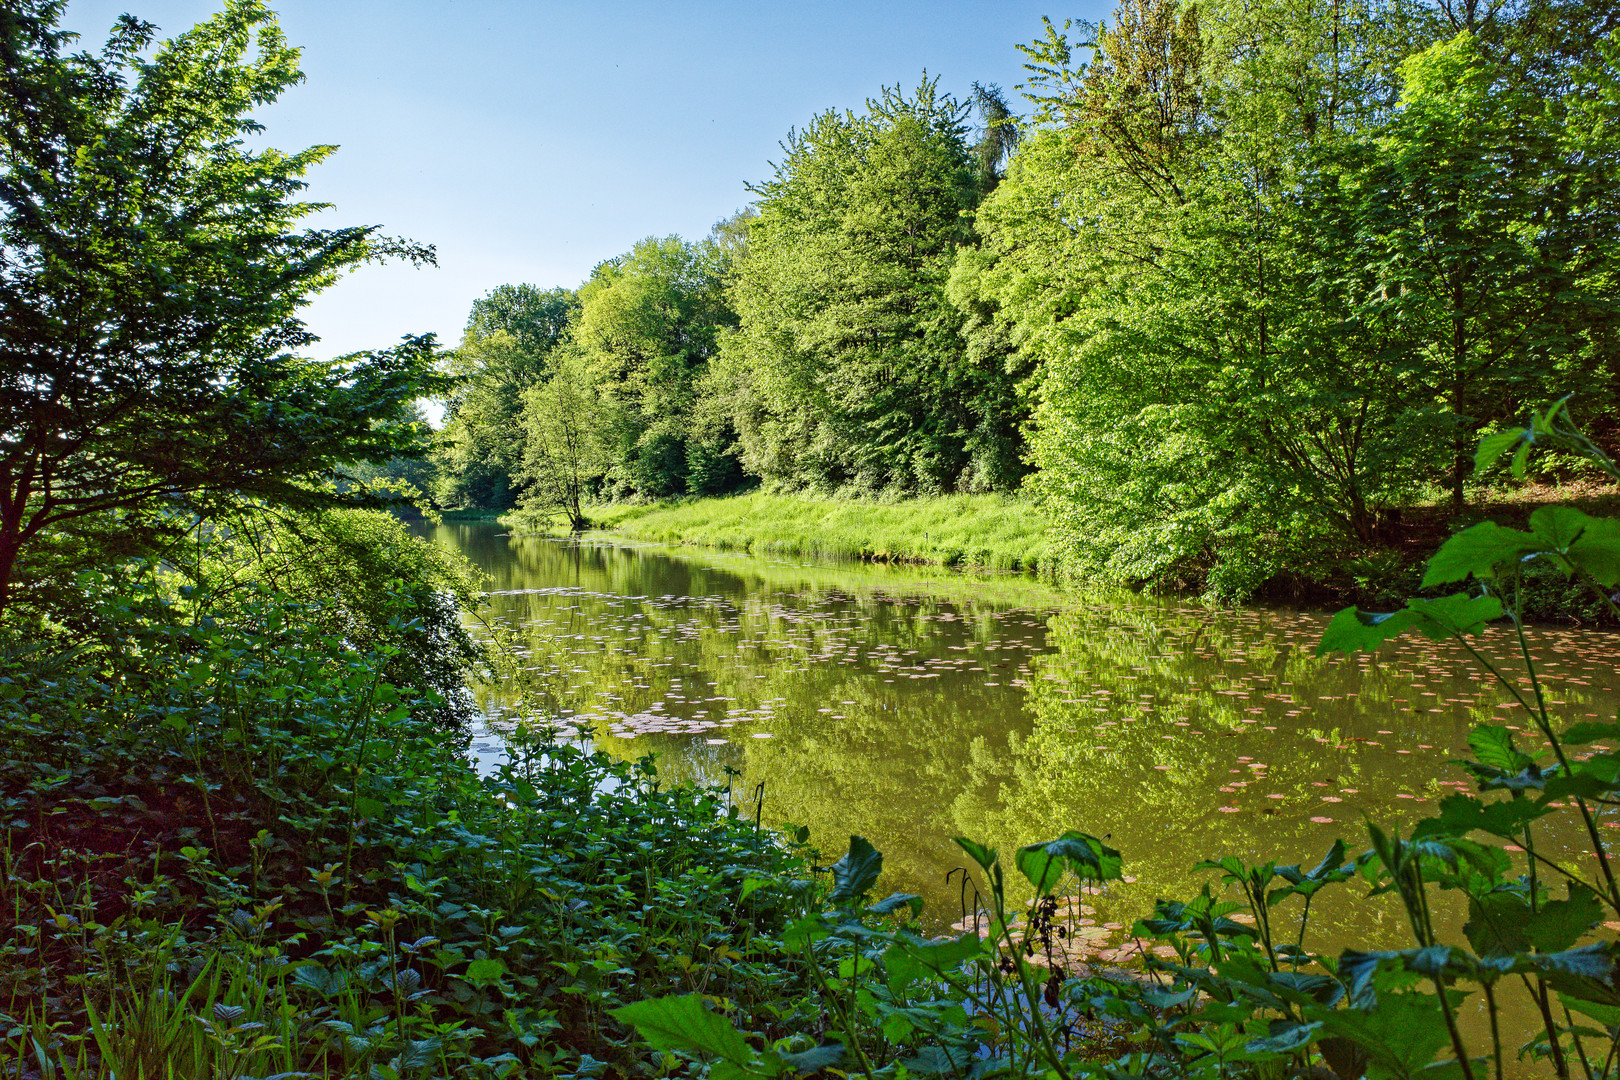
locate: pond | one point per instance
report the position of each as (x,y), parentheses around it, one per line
(910,706)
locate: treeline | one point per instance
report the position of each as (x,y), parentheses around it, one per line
(1233,301)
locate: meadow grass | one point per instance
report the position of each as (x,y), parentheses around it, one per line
(990,531)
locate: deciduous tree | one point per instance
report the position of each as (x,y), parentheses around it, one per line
(152,267)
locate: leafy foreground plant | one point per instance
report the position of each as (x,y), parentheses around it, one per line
(230,848)
(1246,998)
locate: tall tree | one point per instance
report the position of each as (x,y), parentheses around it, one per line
(506,349)
(648,325)
(151,271)
(849,369)
(567,427)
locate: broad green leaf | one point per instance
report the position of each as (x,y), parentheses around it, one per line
(1588,731)
(1284,1038)
(1495,925)
(908,960)
(1477,550)
(367,807)
(1493,446)
(816,1058)
(856,871)
(1352,630)
(1088,856)
(1493,746)
(1562,923)
(1590,544)
(1464,814)
(1042,868)
(895,901)
(1607,1015)
(684,1023)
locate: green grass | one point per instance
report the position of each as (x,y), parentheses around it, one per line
(990,531)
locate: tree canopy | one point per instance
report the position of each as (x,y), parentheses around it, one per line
(151,271)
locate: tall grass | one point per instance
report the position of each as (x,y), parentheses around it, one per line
(989,531)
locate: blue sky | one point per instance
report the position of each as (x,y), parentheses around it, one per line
(530,140)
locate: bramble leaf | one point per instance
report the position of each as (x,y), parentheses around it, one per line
(1353,630)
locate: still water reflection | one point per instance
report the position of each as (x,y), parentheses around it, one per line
(910,707)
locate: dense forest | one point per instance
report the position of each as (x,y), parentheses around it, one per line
(1232,299)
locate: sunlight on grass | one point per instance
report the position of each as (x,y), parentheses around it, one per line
(990,531)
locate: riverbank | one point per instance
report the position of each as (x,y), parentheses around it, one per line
(990,532)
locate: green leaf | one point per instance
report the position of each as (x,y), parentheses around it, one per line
(1352,630)
(1463,814)
(1493,446)
(979,853)
(816,1058)
(1493,746)
(1284,1038)
(485,972)
(1042,868)
(1607,1015)
(1495,925)
(684,1023)
(897,1027)
(1562,923)
(1587,731)
(1589,544)
(895,901)
(1477,550)
(856,872)
(908,960)
(370,808)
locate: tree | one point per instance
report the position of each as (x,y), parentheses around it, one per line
(151,271)
(565,446)
(505,349)
(647,328)
(849,369)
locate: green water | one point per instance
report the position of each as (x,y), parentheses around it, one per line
(911,706)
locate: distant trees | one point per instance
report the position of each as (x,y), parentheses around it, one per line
(1240,291)
(506,349)
(648,326)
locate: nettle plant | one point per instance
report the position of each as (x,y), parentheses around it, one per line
(1241,995)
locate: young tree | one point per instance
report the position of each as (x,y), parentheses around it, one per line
(151,271)
(565,421)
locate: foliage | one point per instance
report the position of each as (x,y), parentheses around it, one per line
(239,850)
(647,330)
(349,570)
(848,369)
(506,349)
(1273,283)
(566,448)
(152,271)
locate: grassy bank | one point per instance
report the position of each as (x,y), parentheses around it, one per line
(992,532)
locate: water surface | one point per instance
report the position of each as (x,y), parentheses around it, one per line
(910,706)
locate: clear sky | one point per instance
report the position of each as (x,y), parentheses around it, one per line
(529,141)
